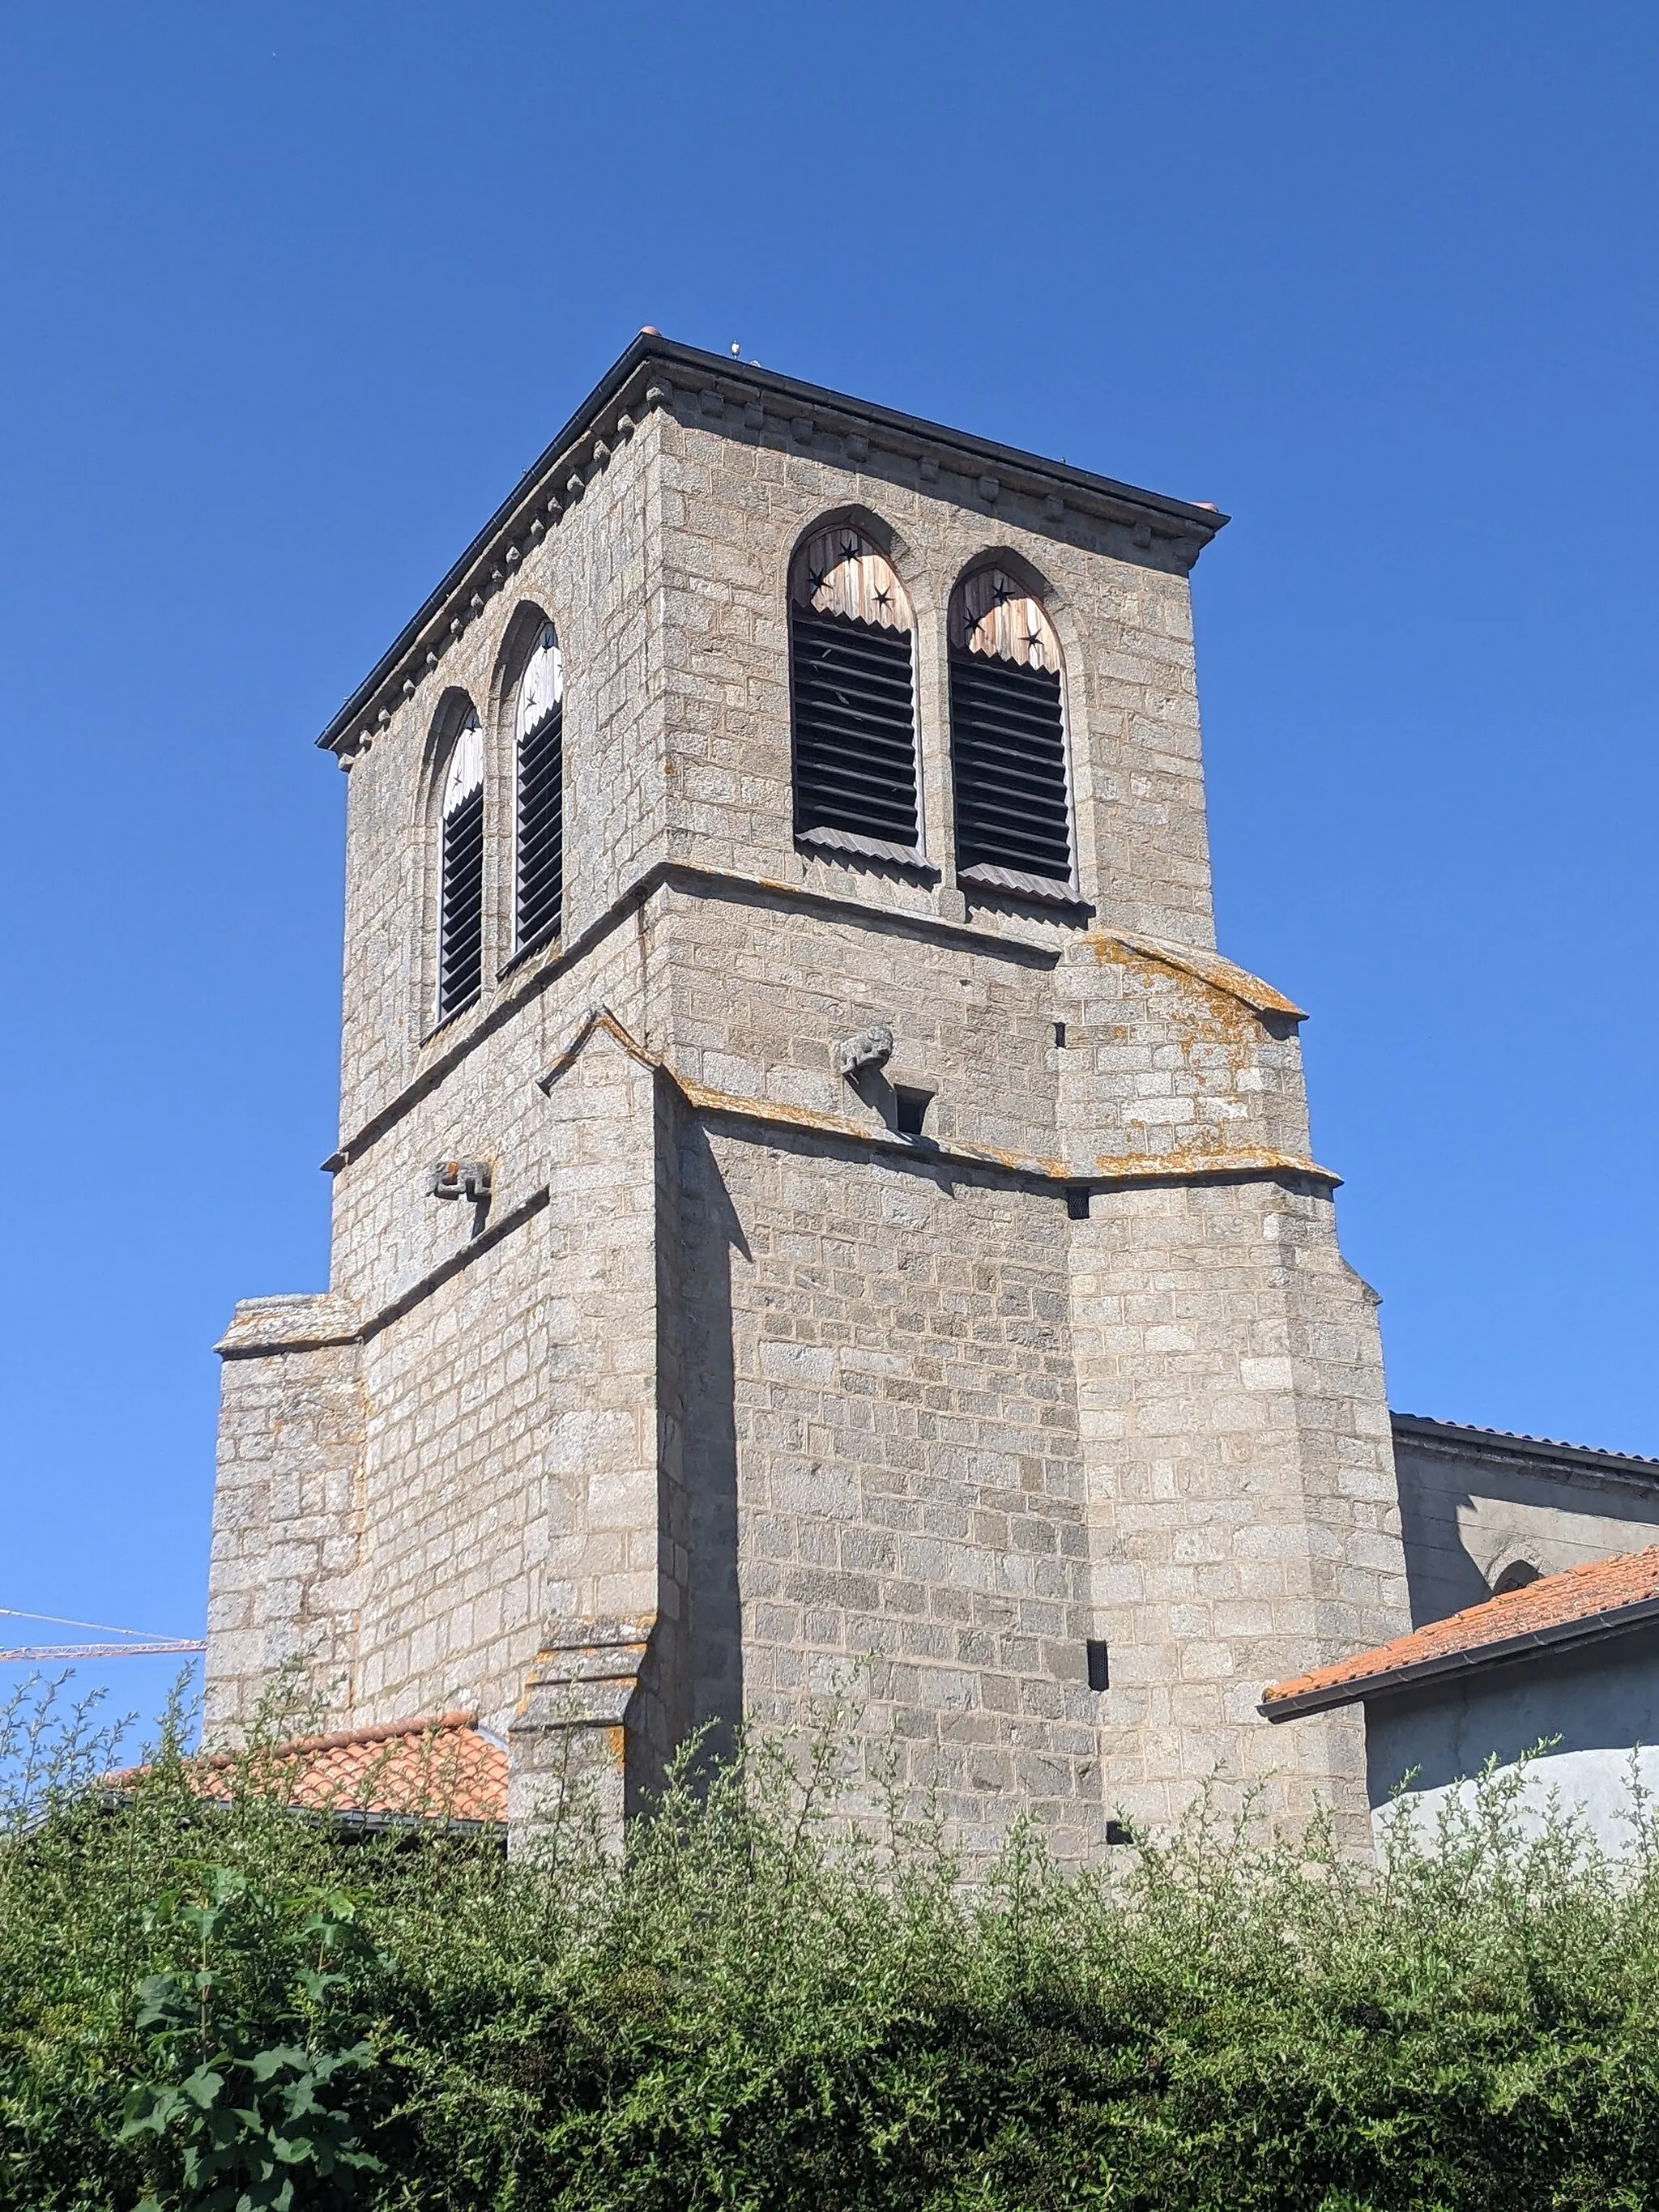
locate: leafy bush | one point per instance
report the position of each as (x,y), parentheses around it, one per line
(236,2118)
(225,2005)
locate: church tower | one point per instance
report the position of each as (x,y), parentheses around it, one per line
(811,1199)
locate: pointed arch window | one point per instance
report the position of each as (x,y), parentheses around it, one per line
(1013,816)
(538,753)
(852,699)
(460,895)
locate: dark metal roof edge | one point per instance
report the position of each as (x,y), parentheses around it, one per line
(114,1796)
(607,389)
(1512,1446)
(1588,1628)
(1207,518)
(1204,520)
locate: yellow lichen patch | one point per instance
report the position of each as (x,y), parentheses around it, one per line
(600,1018)
(1209,968)
(1208,1154)
(835,1125)
(1200,1160)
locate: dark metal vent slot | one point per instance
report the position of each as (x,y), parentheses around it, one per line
(460,933)
(541,828)
(855,728)
(1008,754)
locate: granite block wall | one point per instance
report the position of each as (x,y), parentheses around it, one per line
(906,1491)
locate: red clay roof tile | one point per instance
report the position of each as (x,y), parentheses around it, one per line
(1556,1608)
(441,1768)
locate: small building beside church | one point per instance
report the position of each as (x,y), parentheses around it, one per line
(1557,1677)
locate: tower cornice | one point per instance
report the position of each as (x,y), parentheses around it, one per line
(720,394)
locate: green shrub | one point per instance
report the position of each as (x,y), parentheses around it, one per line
(206,2005)
(233,2117)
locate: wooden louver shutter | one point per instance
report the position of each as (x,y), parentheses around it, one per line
(1008,740)
(460,910)
(539,731)
(854,698)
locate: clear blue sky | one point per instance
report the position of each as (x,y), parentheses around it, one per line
(292,294)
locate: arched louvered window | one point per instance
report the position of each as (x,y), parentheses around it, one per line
(852,698)
(460,889)
(1008,740)
(539,751)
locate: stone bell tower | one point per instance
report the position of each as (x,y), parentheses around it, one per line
(810,1197)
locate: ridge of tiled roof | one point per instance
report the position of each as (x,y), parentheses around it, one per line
(350,1739)
(1430,1424)
(1602,1598)
(441,1767)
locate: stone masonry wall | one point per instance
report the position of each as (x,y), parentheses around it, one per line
(287,1507)
(733,508)
(899,1468)
(595,577)
(1229,1382)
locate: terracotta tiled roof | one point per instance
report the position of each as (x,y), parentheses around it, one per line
(1601,1599)
(441,1768)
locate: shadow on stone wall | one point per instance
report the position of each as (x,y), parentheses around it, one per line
(709,1233)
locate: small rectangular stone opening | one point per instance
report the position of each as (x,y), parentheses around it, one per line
(912,1110)
(1077,1201)
(1100,1672)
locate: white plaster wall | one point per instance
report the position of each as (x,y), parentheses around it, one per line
(1595,1708)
